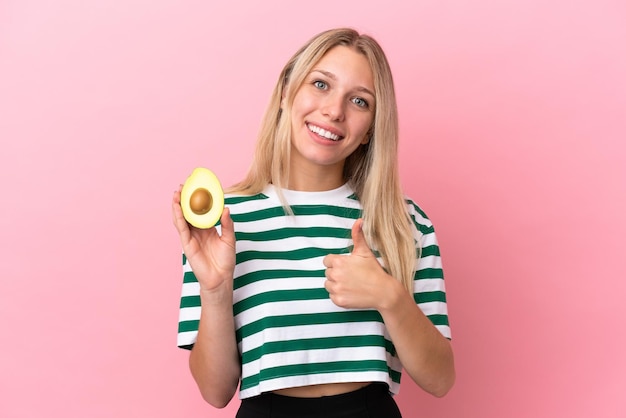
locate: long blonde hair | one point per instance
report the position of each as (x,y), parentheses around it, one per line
(371,171)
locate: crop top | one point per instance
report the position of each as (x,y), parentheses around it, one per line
(289,333)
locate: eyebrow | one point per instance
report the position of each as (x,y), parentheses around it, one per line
(333,77)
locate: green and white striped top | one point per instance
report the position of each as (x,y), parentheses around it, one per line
(288,330)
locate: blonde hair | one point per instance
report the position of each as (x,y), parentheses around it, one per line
(371,171)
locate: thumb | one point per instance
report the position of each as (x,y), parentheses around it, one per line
(358,239)
(228,228)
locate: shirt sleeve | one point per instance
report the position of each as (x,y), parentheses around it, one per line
(189,313)
(429,287)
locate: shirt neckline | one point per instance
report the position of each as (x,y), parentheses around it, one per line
(296,196)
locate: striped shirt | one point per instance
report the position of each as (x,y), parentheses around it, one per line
(289,332)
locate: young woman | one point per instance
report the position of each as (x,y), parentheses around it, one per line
(322,281)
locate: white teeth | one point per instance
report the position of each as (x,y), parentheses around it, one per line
(323,133)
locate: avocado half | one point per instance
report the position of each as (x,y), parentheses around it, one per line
(202,198)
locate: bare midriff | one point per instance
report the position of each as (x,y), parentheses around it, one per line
(317,391)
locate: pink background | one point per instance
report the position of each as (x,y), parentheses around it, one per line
(513,127)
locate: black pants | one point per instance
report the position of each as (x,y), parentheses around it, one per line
(372,401)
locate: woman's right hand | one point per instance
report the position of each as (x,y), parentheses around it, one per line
(211,255)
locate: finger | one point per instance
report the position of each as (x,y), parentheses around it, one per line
(176,198)
(176,209)
(228,227)
(330,276)
(328,261)
(179,220)
(358,239)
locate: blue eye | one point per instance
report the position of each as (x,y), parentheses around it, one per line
(320,84)
(360,102)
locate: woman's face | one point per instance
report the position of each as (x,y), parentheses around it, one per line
(332,113)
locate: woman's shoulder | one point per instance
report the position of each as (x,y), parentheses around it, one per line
(242,203)
(418,215)
(234,198)
(414,208)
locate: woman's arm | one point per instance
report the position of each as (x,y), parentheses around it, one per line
(358,281)
(214,358)
(425,353)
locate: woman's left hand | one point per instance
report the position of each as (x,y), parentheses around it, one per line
(357,280)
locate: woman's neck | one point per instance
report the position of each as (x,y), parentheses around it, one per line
(317,180)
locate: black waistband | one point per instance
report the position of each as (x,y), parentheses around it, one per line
(287,404)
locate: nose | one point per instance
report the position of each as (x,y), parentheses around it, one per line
(333,107)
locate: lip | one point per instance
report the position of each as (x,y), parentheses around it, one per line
(327,128)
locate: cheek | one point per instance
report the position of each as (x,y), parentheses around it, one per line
(364,127)
(302,102)
(295,112)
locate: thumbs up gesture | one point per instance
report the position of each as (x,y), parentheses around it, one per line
(356,280)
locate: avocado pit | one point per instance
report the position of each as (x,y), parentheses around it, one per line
(200,201)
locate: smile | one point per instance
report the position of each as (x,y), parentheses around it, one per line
(323,132)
